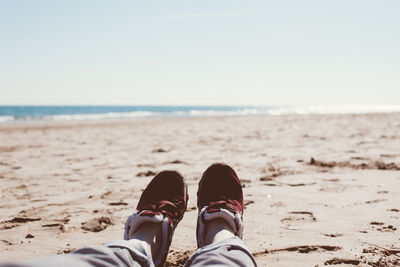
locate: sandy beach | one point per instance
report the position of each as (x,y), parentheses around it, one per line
(319,189)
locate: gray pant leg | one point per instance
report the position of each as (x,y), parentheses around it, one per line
(230,252)
(116,254)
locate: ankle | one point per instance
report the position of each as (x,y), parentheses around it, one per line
(217,230)
(149,235)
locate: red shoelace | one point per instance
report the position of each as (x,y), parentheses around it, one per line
(166,208)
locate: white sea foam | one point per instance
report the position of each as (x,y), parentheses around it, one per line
(350,109)
(6,118)
(233,112)
(99,116)
(335,109)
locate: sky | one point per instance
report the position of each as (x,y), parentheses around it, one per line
(220,52)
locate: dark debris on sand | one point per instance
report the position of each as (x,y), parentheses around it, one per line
(177,161)
(273,172)
(29,236)
(16,221)
(118,203)
(336,261)
(23,220)
(159,150)
(146,174)
(377,165)
(300,249)
(65,251)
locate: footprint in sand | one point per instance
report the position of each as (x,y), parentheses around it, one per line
(298,217)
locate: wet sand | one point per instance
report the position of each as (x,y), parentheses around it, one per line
(319,189)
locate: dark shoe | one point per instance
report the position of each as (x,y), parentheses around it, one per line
(219,196)
(163,201)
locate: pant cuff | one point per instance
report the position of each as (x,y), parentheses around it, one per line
(235,242)
(136,250)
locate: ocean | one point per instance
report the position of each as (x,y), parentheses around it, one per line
(9,114)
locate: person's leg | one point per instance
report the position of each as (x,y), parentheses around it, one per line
(163,204)
(128,254)
(219,224)
(229,252)
(148,231)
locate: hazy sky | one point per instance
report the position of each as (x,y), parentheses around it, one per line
(200,52)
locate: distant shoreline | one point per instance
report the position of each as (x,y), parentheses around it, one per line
(10,114)
(116,122)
